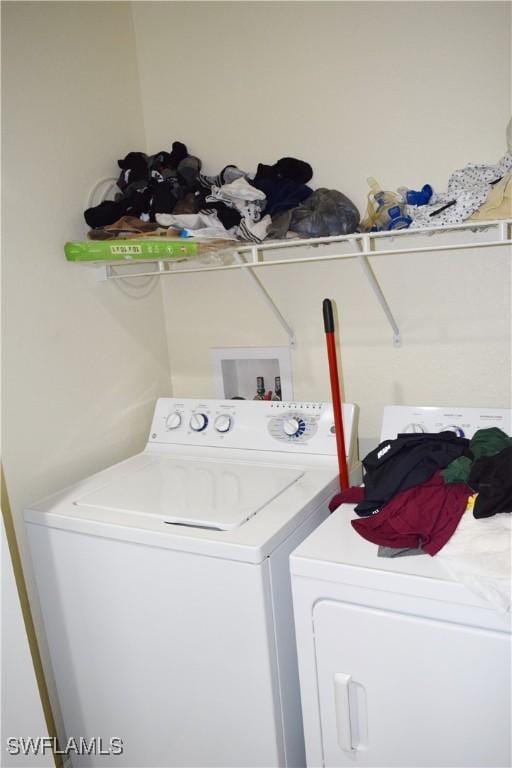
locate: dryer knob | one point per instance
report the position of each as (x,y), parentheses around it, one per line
(291,427)
(173,421)
(453,428)
(414,428)
(223,423)
(198,422)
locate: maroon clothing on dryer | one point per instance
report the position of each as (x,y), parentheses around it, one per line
(352,495)
(425,515)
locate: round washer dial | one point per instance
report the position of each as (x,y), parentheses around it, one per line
(294,426)
(223,423)
(198,422)
(173,421)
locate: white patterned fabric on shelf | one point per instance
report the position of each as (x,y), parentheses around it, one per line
(469,187)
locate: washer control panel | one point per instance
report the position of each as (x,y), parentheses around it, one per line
(261,425)
(464,422)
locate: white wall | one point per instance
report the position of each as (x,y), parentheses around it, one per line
(82,361)
(406,92)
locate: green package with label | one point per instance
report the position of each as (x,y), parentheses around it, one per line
(130,250)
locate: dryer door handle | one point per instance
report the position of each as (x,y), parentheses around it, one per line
(342,704)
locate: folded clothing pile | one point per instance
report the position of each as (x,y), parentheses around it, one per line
(416,487)
(168,192)
(417,490)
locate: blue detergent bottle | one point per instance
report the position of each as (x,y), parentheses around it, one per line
(385,211)
(390,211)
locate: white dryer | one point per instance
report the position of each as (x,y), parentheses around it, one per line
(165,587)
(400,665)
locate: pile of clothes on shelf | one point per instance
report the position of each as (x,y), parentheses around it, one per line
(167,195)
(477,192)
(420,486)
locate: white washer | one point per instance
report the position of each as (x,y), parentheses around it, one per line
(165,587)
(399,664)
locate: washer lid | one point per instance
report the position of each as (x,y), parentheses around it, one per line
(207,494)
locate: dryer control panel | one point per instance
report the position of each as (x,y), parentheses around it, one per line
(259,425)
(464,422)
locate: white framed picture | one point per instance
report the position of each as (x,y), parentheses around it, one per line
(252,373)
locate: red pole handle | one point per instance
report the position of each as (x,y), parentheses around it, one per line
(335,393)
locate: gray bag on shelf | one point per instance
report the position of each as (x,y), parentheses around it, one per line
(326,212)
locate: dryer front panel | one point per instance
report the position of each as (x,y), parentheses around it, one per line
(399,691)
(168,651)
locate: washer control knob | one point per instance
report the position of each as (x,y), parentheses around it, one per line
(173,421)
(291,426)
(223,423)
(198,422)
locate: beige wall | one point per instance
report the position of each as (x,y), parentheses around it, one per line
(82,361)
(406,92)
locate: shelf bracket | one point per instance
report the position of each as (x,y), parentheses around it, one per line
(246,269)
(365,248)
(102,272)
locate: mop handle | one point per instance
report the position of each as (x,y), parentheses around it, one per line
(335,392)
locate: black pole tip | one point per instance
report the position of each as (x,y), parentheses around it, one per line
(328,316)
